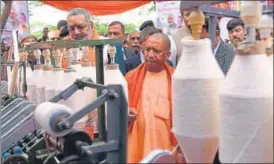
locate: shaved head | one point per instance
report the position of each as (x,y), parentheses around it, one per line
(156,52)
(164,38)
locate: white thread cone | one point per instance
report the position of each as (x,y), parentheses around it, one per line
(195,88)
(270,57)
(56,77)
(246,115)
(31,93)
(41,85)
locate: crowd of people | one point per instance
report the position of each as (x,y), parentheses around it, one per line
(149,58)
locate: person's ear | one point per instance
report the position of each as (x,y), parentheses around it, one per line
(168,54)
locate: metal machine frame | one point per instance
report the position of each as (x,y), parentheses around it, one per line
(115,145)
(214,12)
(98,44)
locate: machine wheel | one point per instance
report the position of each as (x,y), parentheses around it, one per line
(15,159)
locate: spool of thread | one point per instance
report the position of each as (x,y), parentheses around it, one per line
(40,87)
(31,93)
(195,87)
(270,57)
(246,114)
(48,114)
(56,77)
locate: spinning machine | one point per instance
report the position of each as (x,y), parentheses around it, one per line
(232,114)
(25,108)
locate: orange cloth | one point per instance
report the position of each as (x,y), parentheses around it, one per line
(91,52)
(100,7)
(152,128)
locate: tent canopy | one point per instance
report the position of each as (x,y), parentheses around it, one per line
(98,8)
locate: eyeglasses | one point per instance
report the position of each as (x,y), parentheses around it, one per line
(79,27)
(153,50)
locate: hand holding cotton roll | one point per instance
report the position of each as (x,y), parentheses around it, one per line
(48,115)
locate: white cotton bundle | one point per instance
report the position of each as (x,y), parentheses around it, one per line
(195,88)
(56,79)
(46,112)
(31,83)
(116,77)
(270,57)
(246,114)
(41,85)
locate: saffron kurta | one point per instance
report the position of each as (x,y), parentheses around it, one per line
(149,96)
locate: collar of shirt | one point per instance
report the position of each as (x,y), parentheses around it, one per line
(216,49)
(142,56)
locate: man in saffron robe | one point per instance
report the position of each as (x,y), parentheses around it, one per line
(149,88)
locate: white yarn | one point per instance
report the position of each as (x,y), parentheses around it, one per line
(270,57)
(246,116)
(43,114)
(197,61)
(115,77)
(50,87)
(196,82)
(246,130)
(41,85)
(249,77)
(31,93)
(195,87)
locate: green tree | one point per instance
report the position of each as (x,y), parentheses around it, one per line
(130,28)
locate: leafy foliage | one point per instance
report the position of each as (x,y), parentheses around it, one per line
(102,29)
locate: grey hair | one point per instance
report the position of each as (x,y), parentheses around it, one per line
(79,11)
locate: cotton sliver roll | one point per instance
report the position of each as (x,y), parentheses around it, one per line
(46,115)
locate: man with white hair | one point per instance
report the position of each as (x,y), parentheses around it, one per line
(80,27)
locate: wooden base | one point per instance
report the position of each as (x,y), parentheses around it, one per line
(38,67)
(57,69)
(75,62)
(47,67)
(256,48)
(269,51)
(112,66)
(69,70)
(86,64)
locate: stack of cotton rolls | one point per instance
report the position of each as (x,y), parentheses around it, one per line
(45,77)
(246,115)
(56,75)
(195,87)
(35,79)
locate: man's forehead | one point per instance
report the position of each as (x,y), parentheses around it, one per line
(136,33)
(115,27)
(76,19)
(237,28)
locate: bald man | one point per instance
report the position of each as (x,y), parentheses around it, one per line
(149,88)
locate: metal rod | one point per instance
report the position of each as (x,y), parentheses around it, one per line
(212,30)
(0,83)
(87,109)
(100,80)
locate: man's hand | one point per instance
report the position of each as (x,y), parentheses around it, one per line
(131,116)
